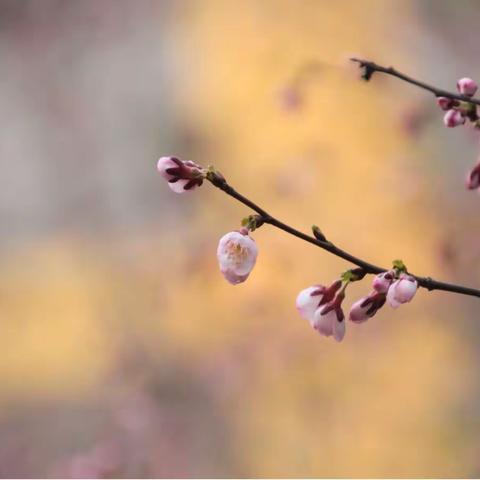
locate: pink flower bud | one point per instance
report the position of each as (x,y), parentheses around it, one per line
(466,86)
(321,306)
(311,298)
(453,118)
(237,254)
(367,307)
(329,319)
(445,103)
(382,281)
(473,177)
(182,176)
(402,290)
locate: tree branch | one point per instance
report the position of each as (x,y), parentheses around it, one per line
(426,282)
(372,67)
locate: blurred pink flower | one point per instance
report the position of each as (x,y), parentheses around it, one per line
(453,118)
(467,86)
(100,462)
(473,177)
(290,98)
(445,103)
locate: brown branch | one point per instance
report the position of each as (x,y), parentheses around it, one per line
(372,67)
(426,282)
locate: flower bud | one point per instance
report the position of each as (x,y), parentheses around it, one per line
(382,281)
(402,290)
(237,254)
(367,307)
(329,319)
(473,177)
(182,176)
(445,103)
(466,86)
(453,118)
(321,306)
(309,299)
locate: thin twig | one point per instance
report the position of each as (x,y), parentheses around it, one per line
(425,282)
(372,67)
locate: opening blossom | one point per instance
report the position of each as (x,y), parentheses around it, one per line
(182,176)
(321,306)
(402,290)
(237,253)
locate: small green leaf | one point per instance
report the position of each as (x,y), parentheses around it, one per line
(347,276)
(399,265)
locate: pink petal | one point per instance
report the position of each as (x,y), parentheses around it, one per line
(358,314)
(178,186)
(324,323)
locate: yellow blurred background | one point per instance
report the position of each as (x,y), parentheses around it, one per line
(123,350)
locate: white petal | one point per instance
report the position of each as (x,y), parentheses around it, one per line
(233,278)
(306,303)
(163,164)
(392,301)
(324,323)
(177,186)
(405,290)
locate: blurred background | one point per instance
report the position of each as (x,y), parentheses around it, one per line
(123,350)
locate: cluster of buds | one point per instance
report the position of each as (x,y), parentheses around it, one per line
(456,111)
(322,306)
